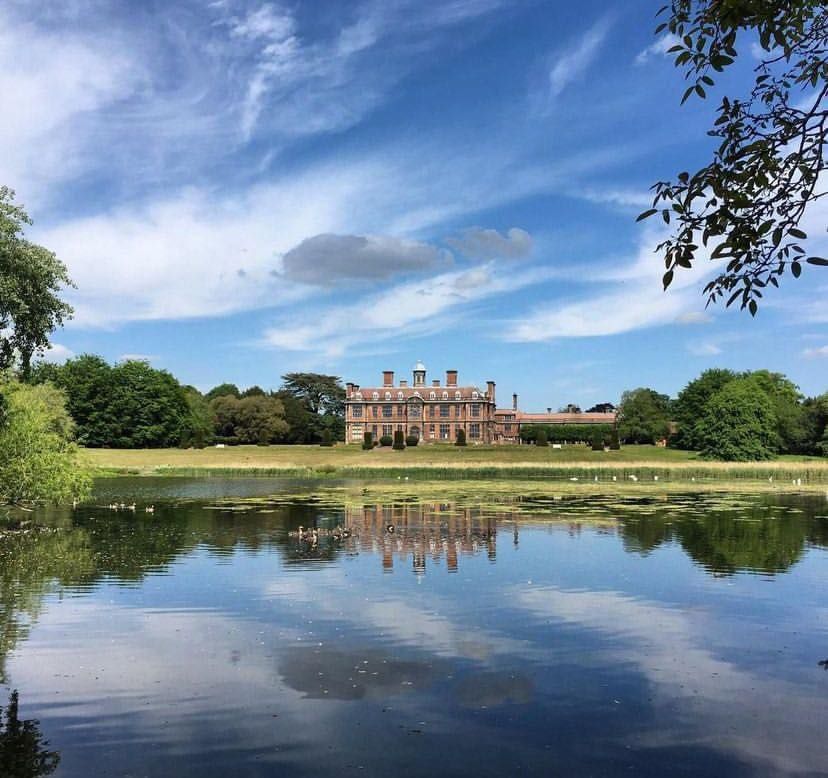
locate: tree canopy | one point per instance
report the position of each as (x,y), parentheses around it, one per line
(748,203)
(31,278)
(38,460)
(739,423)
(643,416)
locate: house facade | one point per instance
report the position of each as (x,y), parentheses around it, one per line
(435,412)
(432,412)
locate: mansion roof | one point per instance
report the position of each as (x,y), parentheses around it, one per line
(426,393)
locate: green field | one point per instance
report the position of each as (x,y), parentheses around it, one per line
(644,463)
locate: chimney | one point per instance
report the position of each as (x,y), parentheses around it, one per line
(388,378)
(349,389)
(403,384)
(549,410)
(514,402)
(490,390)
(451,378)
(435,382)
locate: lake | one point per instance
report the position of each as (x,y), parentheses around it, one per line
(456,635)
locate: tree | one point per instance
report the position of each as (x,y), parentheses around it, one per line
(601,408)
(461,438)
(815,412)
(31,277)
(739,423)
(643,416)
(324,399)
(198,427)
(791,433)
(87,383)
(691,404)
(254,391)
(39,462)
(749,201)
(540,438)
(256,419)
(223,390)
(399,440)
(24,752)
(148,407)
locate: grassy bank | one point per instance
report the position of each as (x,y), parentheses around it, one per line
(630,464)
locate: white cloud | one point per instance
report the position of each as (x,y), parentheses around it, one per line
(694,317)
(479,243)
(708,349)
(48,83)
(571,63)
(327,259)
(635,301)
(818,352)
(194,254)
(405,310)
(659,48)
(57,354)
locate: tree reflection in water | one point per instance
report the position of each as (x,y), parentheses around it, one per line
(23,751)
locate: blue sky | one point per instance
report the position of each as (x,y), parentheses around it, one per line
(242,189)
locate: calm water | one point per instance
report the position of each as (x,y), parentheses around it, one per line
(586,636)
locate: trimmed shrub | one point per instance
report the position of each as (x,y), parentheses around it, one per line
(615,441)
(597,441)
(412,440)
(367,441)
(461,438)
(327,439)
(399,440)
(540,438)
(563,433)
(386,440)
(263,439)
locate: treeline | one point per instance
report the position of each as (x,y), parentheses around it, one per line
(731,416)
(567,433)
(133,405)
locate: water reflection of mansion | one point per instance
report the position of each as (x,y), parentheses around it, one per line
(412,534)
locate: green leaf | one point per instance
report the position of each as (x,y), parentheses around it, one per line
(752,307)
(821,261)
(797,233)
(646,214)
(667,279)
(796,269)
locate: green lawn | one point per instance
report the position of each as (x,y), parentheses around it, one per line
(450,461)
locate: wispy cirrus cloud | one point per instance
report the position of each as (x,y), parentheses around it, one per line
(571,63)
(817,352)
(410,309)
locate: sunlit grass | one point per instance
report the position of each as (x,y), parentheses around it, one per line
(631,464)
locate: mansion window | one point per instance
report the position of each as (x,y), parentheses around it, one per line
(444,411)
(375,411)
(475,409)
(356,432)
(414,411)
(507,427)
(386,411)
(374,431)
(388,395)
(458,411)
(431,431)
(457,395)
(444,431)
(375,395)
(474,431)
(431,411)
(400,411)
(387,429)
(356,411)
(432,395)
(399,428)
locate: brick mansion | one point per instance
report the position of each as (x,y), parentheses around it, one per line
(436,411)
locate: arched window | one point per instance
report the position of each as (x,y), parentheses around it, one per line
(375,395)
(457,395)
(475,395)
(388,395)
(432,396)
(400,395)
(445,395)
